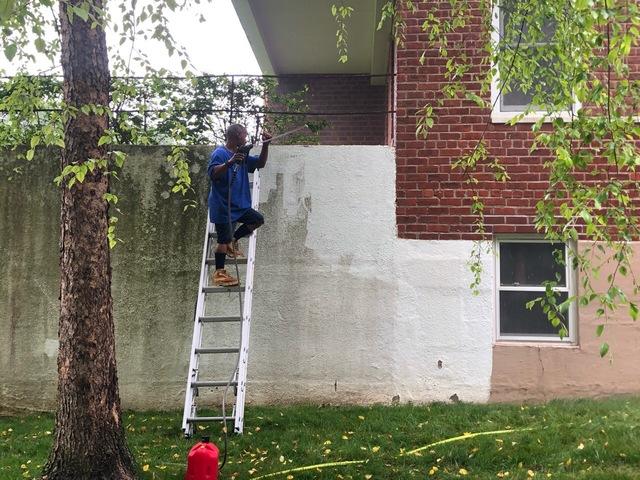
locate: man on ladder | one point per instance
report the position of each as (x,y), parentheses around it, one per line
(228,169)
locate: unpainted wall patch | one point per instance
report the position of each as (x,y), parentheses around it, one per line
(51,347)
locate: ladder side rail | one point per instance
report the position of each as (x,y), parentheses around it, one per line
(192,373)
(246,316)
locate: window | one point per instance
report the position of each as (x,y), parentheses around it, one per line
(523,267)
(524,46)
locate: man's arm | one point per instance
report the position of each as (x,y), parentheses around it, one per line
(264,153)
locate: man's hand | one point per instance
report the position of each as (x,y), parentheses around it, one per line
(237,158)
(264,153)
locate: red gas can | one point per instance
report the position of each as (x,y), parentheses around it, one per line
(202,461)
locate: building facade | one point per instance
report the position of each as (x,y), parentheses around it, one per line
(433,200)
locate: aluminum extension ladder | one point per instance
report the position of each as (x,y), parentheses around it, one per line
(203,319)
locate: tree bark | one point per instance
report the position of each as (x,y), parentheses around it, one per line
(89,442)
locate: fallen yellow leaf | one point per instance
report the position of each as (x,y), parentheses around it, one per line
(375,449)
(145,468)
(463,471)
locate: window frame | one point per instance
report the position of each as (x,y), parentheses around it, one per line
(500,116)
(570,288)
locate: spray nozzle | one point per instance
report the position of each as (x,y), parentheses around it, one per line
(245,149)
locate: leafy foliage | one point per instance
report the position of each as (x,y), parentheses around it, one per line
(342,13)
(150,110)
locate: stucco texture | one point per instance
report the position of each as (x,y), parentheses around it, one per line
(344,312)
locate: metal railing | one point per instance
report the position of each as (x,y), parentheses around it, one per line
(199,107)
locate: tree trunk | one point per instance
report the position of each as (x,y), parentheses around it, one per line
(89,442)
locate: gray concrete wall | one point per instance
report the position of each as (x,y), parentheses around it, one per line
(343,310)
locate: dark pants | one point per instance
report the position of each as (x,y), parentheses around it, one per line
(250,220)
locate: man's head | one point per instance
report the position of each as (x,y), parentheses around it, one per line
(236,135)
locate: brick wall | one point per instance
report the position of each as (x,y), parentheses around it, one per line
(433,201)
(341,95)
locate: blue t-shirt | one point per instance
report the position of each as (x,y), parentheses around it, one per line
(240,191)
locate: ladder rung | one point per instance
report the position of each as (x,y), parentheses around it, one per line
(229,261)
(217,350)
(239,288)
(219,319)
(208,419)
(217,383)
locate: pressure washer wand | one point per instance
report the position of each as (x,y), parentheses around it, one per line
(281,135)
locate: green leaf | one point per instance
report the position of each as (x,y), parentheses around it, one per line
(81,172)
(604,349)
(120,157)
(477,99)
(599,330)
(104,139)
(30,154)
(40,44)
(82,11)
(6,8)
(111,198)
(633,311)
(10,51)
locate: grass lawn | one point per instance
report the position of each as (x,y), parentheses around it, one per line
(568,439)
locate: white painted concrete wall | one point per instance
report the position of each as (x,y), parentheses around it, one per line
(343,310)
(346,311)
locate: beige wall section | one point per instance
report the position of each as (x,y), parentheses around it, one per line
(544,372)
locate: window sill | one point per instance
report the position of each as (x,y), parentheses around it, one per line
(506,117)
(566,344)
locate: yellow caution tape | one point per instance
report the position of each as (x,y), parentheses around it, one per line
(311,467)
(466,436)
